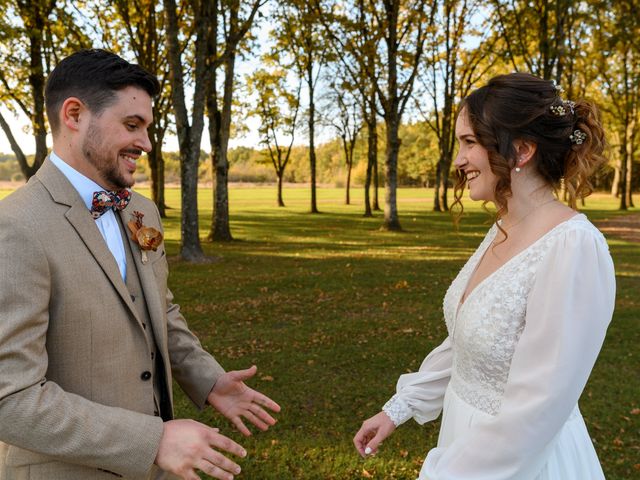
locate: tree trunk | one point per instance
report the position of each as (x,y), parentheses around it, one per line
(312,148)
(191,250)
(189,136)
(444,189)
(615,184)
(221,230)
(623,175)
(348,196)
(436,187)
(15,147)
(376,178)
(372,153)
(156,165)
(280,175)
(391,220)
(629,181)
(36,79)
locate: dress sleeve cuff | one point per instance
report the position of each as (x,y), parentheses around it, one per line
(397,410)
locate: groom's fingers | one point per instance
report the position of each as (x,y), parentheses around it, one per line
(262,414)
(219,461)
(218,466)
(266,402)
(249,415)
(242,428)
(245,374)
(225,443)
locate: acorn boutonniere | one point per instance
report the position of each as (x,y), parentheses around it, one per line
(147,238)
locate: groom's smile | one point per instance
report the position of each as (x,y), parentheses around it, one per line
(115,139)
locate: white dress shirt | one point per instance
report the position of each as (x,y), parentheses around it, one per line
(107,223)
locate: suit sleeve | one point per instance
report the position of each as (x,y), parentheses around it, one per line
(37,414)
(195,370)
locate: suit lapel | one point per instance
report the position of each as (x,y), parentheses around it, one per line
(78,216)
(154,299)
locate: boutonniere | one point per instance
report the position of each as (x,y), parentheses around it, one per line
(147,238)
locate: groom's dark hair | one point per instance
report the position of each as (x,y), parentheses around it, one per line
(93,76)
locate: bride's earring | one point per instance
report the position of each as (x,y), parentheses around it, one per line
(518,169)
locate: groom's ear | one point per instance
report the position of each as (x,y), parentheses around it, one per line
(72,111)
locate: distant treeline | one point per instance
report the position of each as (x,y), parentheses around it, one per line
(417,166)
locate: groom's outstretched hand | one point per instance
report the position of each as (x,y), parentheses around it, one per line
(372,434)
(233,399)
(187,446)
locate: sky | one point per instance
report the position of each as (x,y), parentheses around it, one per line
(20,125)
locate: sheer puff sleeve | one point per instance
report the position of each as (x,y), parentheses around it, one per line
(420,394)
(568,310)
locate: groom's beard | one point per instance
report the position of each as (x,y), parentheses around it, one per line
(108,166)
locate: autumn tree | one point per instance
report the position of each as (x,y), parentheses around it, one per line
(277,109)
(449,71)
(355,42)
(300,42)
(232,20)
(141,24)
(201,16)
(401,26)
(34,35)
(617,37)
(535,34)
(345,116)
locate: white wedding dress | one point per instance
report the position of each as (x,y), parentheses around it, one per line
(518,355)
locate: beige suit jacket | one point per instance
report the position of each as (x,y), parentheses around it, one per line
(74,403)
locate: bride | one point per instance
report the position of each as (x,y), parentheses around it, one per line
(527,314)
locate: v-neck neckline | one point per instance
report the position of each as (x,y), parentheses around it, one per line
(461,303)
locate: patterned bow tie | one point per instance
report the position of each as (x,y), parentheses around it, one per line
(105,201)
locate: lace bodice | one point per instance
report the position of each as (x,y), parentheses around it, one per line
(486,327)
(484,330)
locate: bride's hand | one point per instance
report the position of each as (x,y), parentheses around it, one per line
(372,434)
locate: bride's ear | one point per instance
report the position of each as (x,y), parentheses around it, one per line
(525,151)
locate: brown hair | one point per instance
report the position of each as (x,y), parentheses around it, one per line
(94,76)
(520,106)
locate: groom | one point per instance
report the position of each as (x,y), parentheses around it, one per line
(90,341)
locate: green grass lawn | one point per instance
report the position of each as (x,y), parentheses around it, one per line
(333,310)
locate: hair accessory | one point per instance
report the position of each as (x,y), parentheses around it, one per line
(572,106)
(561,110)
(578,137)
(558,88)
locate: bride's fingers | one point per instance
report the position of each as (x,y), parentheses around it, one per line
(361,439)
(374,443)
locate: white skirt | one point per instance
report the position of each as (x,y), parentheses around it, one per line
(570,456)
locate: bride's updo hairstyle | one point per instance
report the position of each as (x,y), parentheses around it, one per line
(519,106)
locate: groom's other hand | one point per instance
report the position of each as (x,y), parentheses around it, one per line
(235,400)
(372,434)
(187,446)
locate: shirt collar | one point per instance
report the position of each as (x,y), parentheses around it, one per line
(83,184)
